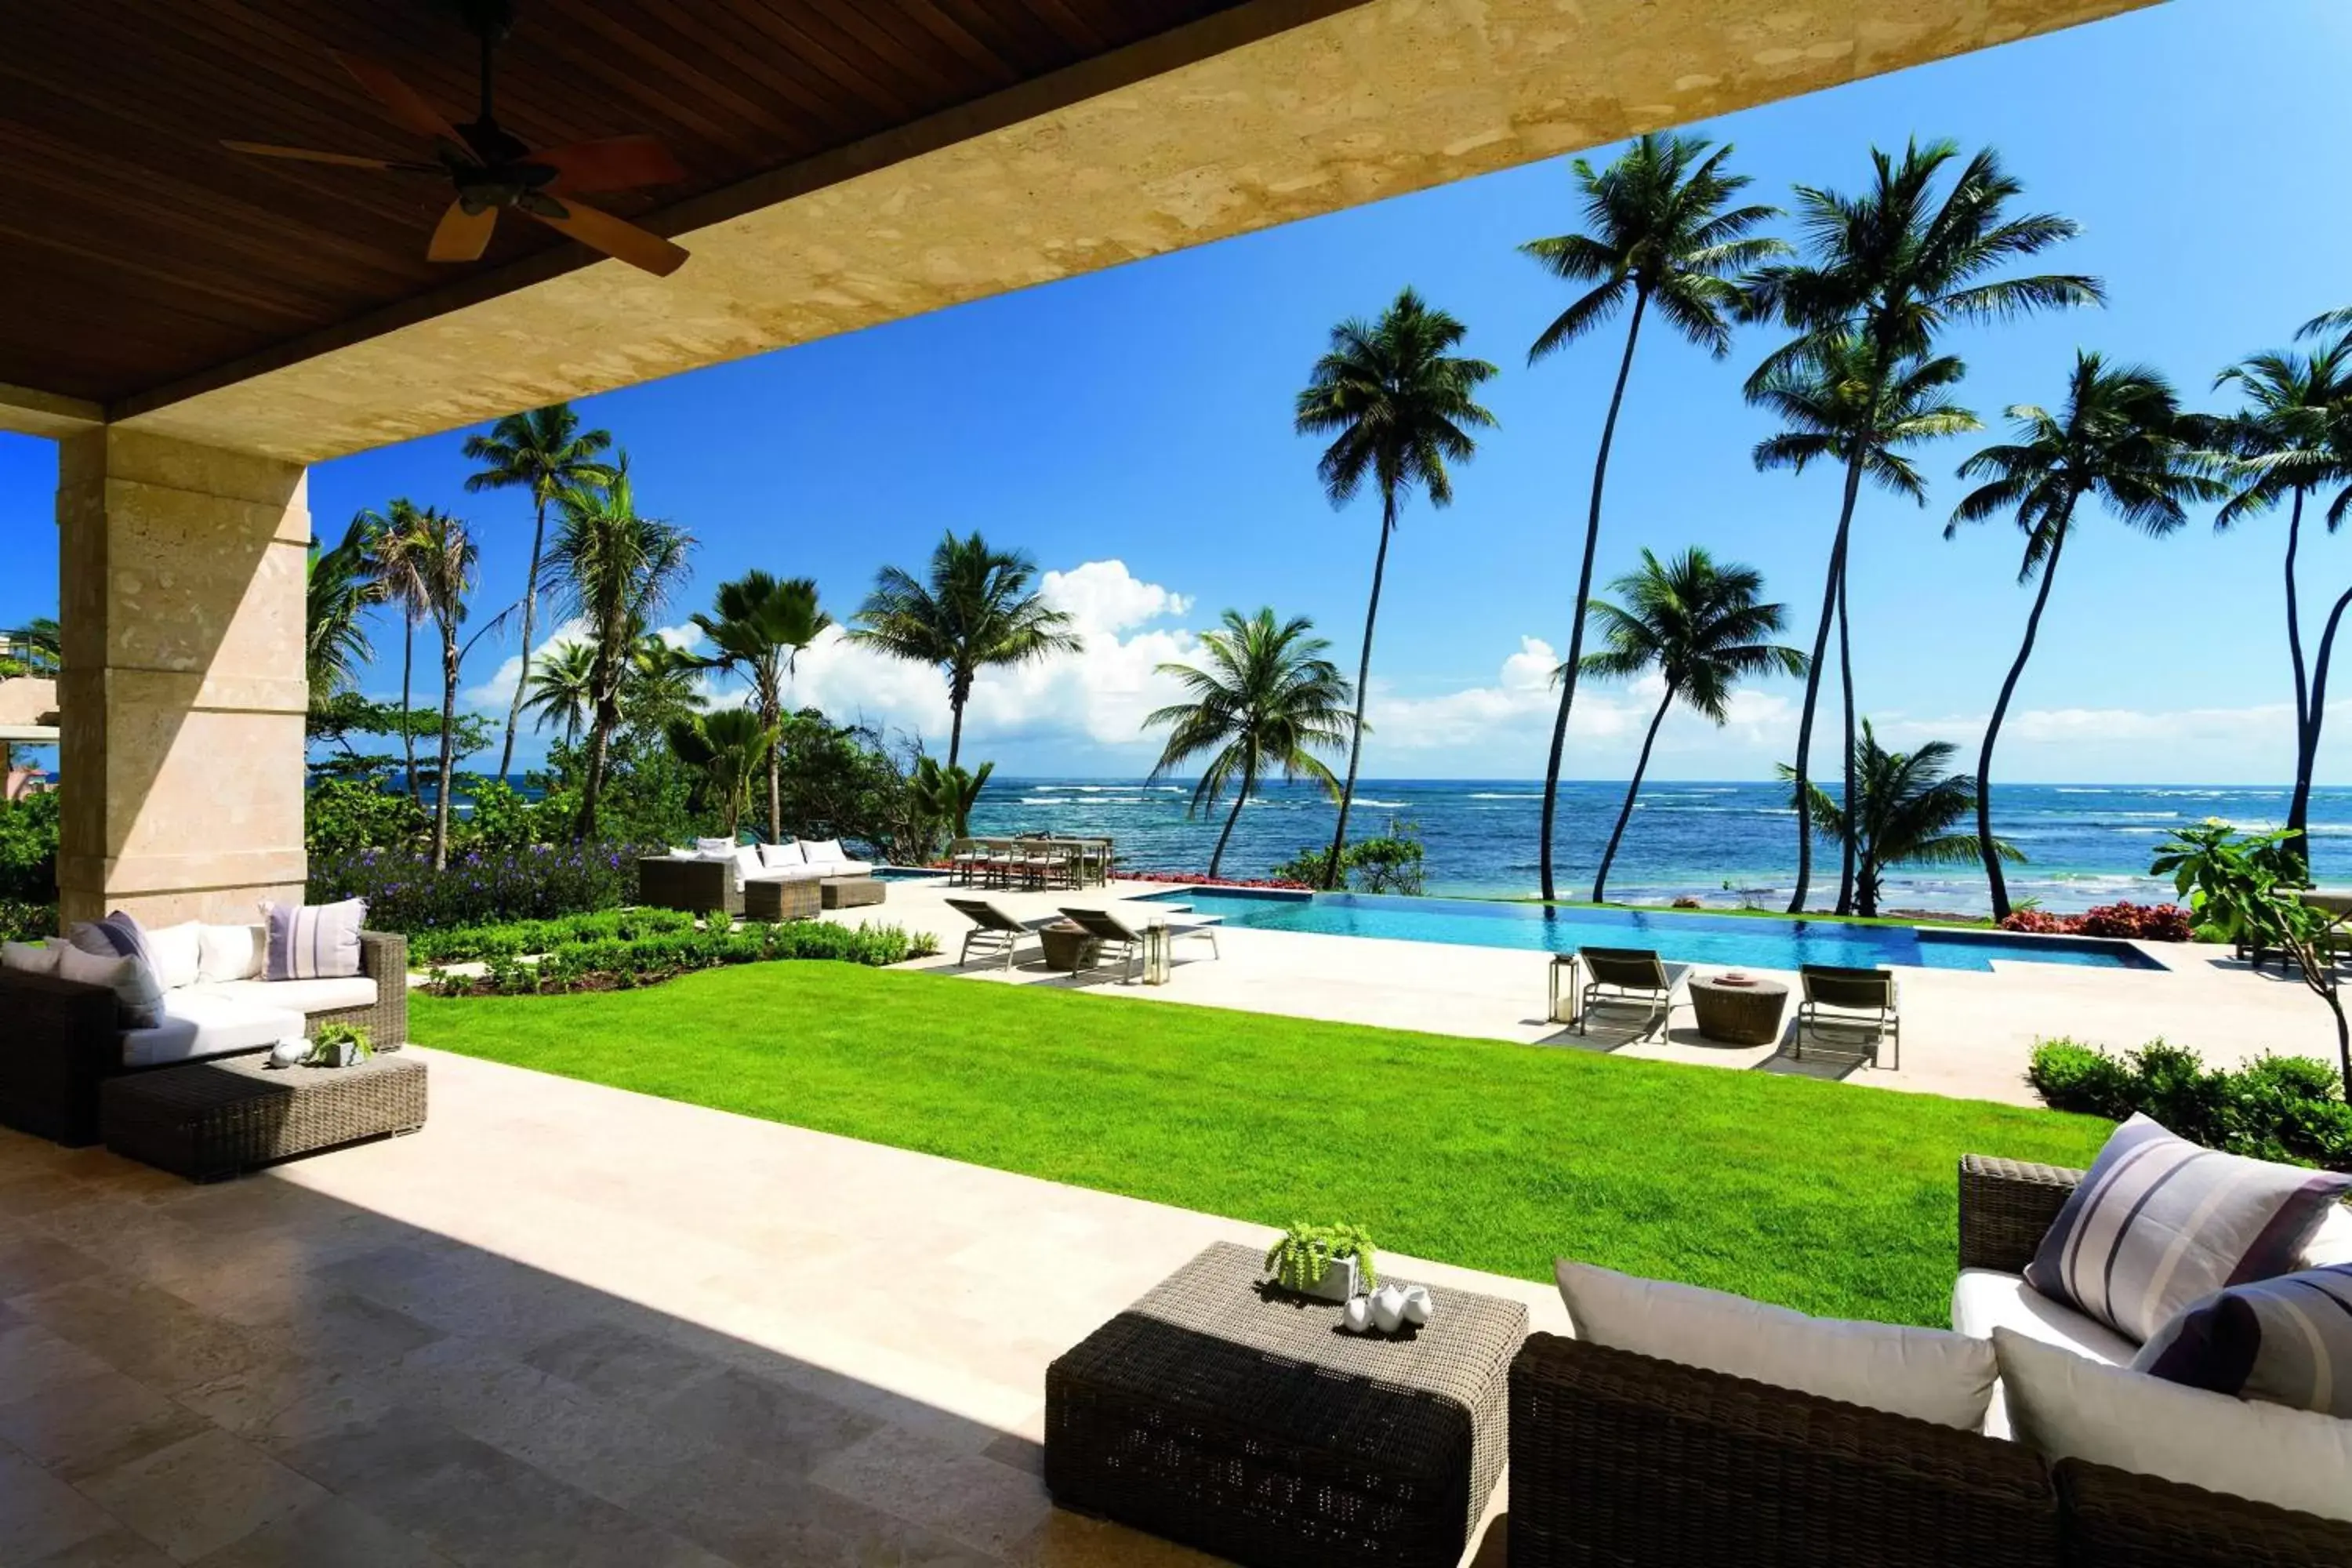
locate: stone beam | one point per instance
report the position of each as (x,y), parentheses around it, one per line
(1277,110)
(30,412)
(182,696)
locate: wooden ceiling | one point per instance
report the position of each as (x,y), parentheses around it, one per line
(137,252)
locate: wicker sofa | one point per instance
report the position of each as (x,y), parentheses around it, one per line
(60,1040)
(1625,1459)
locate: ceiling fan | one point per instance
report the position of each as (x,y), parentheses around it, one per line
(492,168)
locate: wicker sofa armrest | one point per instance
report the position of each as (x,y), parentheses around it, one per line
(2115,1519)
(2006,1208)
(1621,1459)
(383,957)
(58,1039)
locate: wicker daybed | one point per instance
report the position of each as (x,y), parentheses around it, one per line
(1627,1460)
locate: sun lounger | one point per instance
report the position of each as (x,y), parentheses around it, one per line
(1626,974)
(1859,1000)
(993,930)
(1111,932)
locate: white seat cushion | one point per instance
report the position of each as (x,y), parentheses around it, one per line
(1984,1300)
(849,868)
(298,995)
(789,873)
(199,1023)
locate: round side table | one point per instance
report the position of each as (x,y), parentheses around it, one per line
(1067,946)
(1746,1014)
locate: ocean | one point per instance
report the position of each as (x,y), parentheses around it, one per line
(1724,843)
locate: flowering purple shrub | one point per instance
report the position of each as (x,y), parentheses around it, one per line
(533,882)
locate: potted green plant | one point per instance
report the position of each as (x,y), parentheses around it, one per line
(1327,1262)
(339,1045)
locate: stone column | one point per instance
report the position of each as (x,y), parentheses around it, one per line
(180,607)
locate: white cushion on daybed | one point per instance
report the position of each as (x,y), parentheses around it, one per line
(333,996)
(198,1023)
(1984,1300)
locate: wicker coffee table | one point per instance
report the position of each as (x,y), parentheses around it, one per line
(1235,1419)
(852,893)
(766,899)
(215,1118)
(1746,1014)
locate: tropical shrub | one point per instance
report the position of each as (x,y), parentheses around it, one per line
(479,888)
(28,848)
(618,965)
(21,920)
(345,815)
(1389,862)
(510,939)
(2136,922)
(2289,1109)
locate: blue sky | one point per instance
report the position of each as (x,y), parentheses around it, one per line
(1131,429)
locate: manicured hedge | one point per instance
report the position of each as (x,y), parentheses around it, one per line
(510,939)
(405,893)
(614,963)
(2289,1109)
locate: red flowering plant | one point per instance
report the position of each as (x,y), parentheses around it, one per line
(1196,880)
(2133,923)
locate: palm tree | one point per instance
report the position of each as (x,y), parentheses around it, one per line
(1904,808)
(972,611)
(1841,404)
(2285,443)
(546,453)
(760,626)
(1700,628)
(1893,267)
(1268,699)
(662,683)
(399,552)
(2118,438)
(339,585)
(1659,229)
(562,688)
(445,557)
(947,795)
(1399,405)
(613,570)
(725,746)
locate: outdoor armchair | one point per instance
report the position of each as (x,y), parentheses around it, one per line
(993,931)
(1111,932)
(1862,1000)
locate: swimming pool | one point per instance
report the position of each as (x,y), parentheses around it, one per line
(1679,937)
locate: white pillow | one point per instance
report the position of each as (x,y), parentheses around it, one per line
(178,953)
(822,851)
(2332,1243)
(138,998)
(2071,1407)
(777,856)
(32,957)
(228,952)
(688,853)
(714,846)
(747,861)
(1929,1375)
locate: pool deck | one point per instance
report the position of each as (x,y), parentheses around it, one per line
(1966,1033)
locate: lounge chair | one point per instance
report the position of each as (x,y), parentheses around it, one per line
(1626,974)
(993,930)
(1111,932)
(1862,1000)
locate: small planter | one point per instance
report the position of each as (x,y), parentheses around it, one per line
(1339,1282)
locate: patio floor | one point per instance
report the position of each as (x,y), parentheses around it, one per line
(565,1325)
(1965,1033)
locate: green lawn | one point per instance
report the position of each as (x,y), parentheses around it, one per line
(1824,1196)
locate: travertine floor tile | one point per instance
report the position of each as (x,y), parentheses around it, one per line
(115,1549)
(785,1429)
(974,1499)
(37,1262)
(94,1423)
(41,1515)
(148,1333)
(329,1534)
(756,1518)
(33,1359)
(202,1493)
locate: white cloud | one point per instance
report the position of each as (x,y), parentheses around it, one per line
(2258,724)
(499,690)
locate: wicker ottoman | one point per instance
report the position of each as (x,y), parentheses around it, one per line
(852,892)
(765,900)
(1746,1014)
(1218,1413)
(215,1118)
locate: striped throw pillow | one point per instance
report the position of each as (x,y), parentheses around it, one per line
(2161,1222)
(2287,1339)
(314,942)
(119,935)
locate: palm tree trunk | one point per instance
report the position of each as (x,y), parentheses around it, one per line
(529,614)
(1626,812)
(448,736)
(1583,593)
(1802,793)
(2298,811)
(2000,711)
(407,733)
(956,700)
(2304,731)
(771,716)
(1217,856)
(1363,674)
(607,682)
(1845,681)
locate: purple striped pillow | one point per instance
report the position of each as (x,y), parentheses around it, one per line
(314,942)
(116,936)
(2160,1222)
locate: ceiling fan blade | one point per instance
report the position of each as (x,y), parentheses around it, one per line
(461,236)
(402,103)
(312,155)
(614,163)
(617,238)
